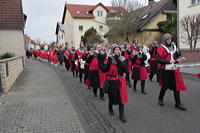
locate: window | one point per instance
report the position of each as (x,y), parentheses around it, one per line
(195,1)
(145,16)
(99,13)
(101,28)
(133,19)
(80,28)
(78,12)
(87,12)
(169,17)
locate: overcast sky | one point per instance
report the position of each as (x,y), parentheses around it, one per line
(44,14)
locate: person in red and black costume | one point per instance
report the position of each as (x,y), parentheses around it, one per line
(72,62)
(67,59)
(127,53)
(95,60)
(79,53)
(117,91)
(87,65)
(153,62)
(167,53)
(139,69)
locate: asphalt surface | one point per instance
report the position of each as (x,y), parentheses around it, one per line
(142,111)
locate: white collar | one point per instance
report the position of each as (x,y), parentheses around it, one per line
(168,49)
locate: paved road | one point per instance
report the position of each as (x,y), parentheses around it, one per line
(143,113)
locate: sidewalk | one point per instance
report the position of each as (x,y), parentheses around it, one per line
(38,103)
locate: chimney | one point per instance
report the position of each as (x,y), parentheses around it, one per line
(151,2)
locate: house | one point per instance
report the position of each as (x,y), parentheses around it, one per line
(146,22)
(187,7)
(79,18)
(12,22)
(60,35)
(29,43)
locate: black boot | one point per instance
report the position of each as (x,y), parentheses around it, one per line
(110,108)
(143,91)
(102,98)
(142,87)
(178,104)
(150,77)
(129,84)
(134,85)
(160,102)
(95,92)
(161,95)
(121,113)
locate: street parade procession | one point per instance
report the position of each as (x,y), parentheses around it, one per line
(110,70)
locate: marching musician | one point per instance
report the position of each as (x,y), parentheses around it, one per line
(72,62)
(95,60)
(167,53)
(67,59)
(79,55)
(117,91)
(127,53)
(153,62)
(139,70)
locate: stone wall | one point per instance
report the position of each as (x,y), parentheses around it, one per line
(10,69)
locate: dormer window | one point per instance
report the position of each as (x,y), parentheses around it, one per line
(78,12)
(145,16)
(87,12)
(133,19)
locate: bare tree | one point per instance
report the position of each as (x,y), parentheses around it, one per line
(191,30)
(126,9)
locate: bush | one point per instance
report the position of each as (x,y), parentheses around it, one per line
(7,55)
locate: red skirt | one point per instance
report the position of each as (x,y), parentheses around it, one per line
(180,86)
(123,90)
(198,75)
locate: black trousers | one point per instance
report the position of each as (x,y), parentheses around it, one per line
(67,67)
(86,72)
(128,77)
(81,72)
(157,74)
(142,84)
(121,107)
(176,95)
(73,71)
(101,91)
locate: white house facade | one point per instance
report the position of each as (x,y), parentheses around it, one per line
(187,7)
(77,19)
(60,35)
(12,27)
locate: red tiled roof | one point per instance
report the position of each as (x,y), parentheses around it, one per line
(73,8)
(11,14)
(33,42)
(83,9)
